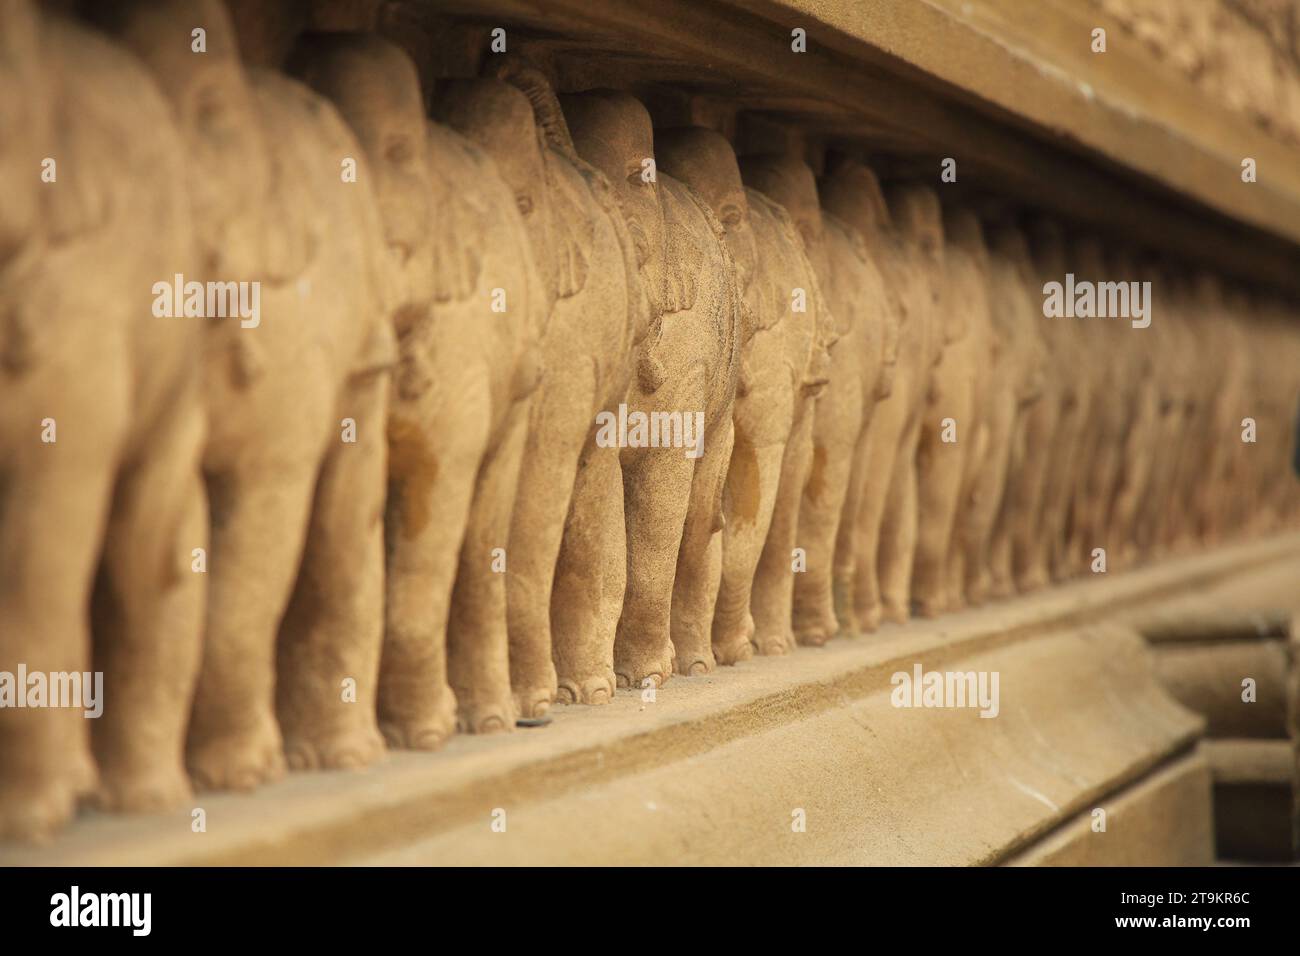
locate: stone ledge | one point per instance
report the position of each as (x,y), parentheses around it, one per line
(1163,819)
(814,729)
(925,80)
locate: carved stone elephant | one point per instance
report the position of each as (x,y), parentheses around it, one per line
(1152,376)
(954,441)
(566,579)
(854,294)
(1103,437)
(101,428)
(966,262)
(1227,392)
(908,228)
(1043,427)
(1073,392)
(469,325)
(297,405)
(1015,382)
(851,193)
(783,366)
(686,374)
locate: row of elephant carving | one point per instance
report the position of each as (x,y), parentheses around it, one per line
(890,424)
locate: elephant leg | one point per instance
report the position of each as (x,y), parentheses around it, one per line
(1028,570)
(772,596)
(884,436)
(657,484)
(975,460)
(844,573)
(1133,482)
(590,578)
(53,511)
(561,421)
(986,500)
(1015,501)
(1100,490)
(1001,580)
(898,532)
(753,477)
(837,425)
(954,575)
(699,559)
(329,643)
(478,640)
(1059,484)
(1079,544)
(431,484)
(259,523)
(148,613)
(941,467)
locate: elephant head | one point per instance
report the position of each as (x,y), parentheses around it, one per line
(1018,321)
(852,192)
(499,118)
(705,161)
(1050,259)
(918,219)
(374,87)
(246,206)
(789,182)
(611,130)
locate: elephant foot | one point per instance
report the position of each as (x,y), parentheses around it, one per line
(485,716)
(978,591)
(814,635)
(694,663)
(929,607)
(735,646)
(1001,583)
(815,628)
(155,791)
(774,644)
(846,617)
(534,689)
(587,690)
(532,703)
(869,617)
(349,749)
(895,611)
(956,601)
(33,812)
(427,730)
(1034,579)
(237,761)
(634,666)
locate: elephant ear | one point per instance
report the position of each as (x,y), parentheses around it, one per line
(541,96)
(682,255)
(291,220)
(857,247)
(575,228)
(459,214)
(766,309)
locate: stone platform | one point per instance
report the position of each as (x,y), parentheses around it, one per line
(723,768)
